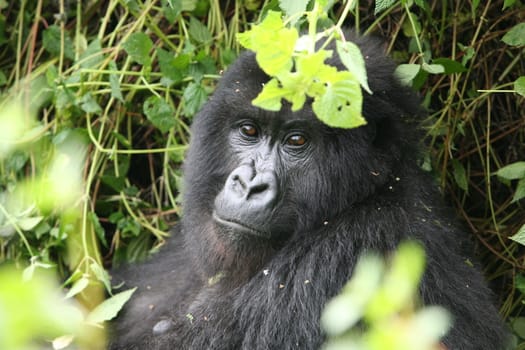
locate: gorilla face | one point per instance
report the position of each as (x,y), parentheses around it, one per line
(256,178)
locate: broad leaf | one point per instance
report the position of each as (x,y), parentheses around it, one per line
(199,32)
(520,191)
(138,47)
(272,42)
(512,171)
(460,175)
(406,73)
(194,97)
(89,104)
(270,96)
(51,41)
(340,106)
(293,7)
(109,308)
(450,66)
(160,113)
(92,56)
(433,68)
(519,86)
(515,36)
(352,58)
(382,5)
(519,236)
(114,82)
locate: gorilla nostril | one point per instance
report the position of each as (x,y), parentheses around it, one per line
(259,188)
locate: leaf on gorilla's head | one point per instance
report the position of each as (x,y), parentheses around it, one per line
(270,96)
(272,42)
(352,58)
(341,104)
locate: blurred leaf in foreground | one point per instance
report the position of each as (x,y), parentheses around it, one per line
(33,310)
(380,298)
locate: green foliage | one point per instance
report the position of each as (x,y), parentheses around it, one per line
(382,297)
(298,71)
(33,311)
(519,86)
(515,171)
(273,43)
(515,36)
(520,238)
(382,5)
(138,47)
(109,308)
(160,113)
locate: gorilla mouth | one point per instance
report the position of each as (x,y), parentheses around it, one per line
(238,226)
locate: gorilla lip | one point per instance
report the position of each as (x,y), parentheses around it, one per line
(239,226)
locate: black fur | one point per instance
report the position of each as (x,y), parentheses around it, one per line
(345,193)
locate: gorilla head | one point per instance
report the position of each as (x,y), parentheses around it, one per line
(277,208)
(255,178)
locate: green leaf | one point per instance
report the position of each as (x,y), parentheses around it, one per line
(520,191)
(343,311)
(460,175)
(352,58)
(89,104)
(117,183)
(272,42)
(515,36)
(171,9)
(406,73)
(194,97)
(29,223)
(519,86)
(270,96)
(92,56)
(518,326)
(382,5)
(114,83)
(340,106)
(449,65)
(188,5)
(109,308)
(3,78)
(78,287)
(519,236)
(409,30)
(433,68)
(159,113)
(520,283)
(400,283)
(308,79)
(99,230)
(293,7)
(512,171)
(138,47)
(51,41)
(199,32)
(508,3)
(173,67)
(101,274)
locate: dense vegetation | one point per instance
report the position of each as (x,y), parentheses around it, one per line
(96,98)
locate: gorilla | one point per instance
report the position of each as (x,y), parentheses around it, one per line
(277,209)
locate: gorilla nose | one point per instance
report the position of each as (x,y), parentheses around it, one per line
(246,185)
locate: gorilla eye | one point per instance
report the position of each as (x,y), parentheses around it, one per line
(248,130)
(296,140)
